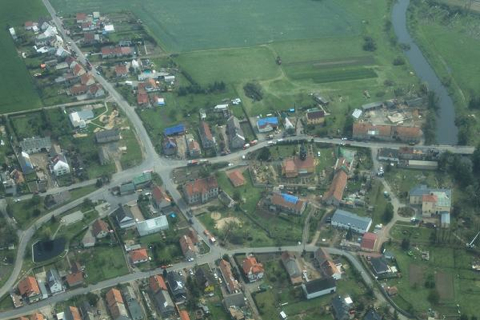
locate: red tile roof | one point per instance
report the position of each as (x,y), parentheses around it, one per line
(138,255)
(78,89)
(236,178)
(250,264)
(429,198)
(81,16)
(158,195)
(99,226)
(121,70)
(201,186)
(142,98)
(362,128)
(75,313)
(28,286)
(157,283)
(74,279)
(113,296)
(337,186)
(187,244)
(37,316)
(206,130)
(317,114)
(279,200)
(184,315)
(368,240)
(230,281)
(408,132)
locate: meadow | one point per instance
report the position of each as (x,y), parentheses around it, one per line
(17,91)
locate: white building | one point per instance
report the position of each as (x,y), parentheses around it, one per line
(153,225)
(60,165)
(79,119)
(54,282)
(319,287)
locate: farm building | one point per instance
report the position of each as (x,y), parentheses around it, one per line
(319,287)
(153,225)
(267,124)
(347,220)
(175,130)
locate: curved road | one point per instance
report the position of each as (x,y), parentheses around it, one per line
(164,167)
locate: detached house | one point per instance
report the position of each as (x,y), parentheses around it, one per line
(230,281)
(315,116)
(60,165)
(71,313)
(252,269)
(208,141)
(138,256)
(100,229)
(267,124)
(432,201)
(160,199)
(54,282)
(121,71)
(188,248)
(159,291)
(334,195)
(201,190)
(176,283)
(124,217)
(282,202)
(107,136)
(235,133)
(36,144)
(28,288)
(324,263)
(116,305)
(319,287)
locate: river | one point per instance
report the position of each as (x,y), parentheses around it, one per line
(446,130)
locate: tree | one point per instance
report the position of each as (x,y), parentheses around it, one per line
(35,200)
(349,234)
(388,213)
(369,44)
(92,298)
(434,297)
(264,154)
(405,244)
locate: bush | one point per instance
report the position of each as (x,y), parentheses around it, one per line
(253,91)
(369,44)
(398,61)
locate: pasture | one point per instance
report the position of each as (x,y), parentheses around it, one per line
(17,91)
(192,25)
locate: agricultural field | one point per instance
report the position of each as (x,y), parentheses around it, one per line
(448,268)
(17,91)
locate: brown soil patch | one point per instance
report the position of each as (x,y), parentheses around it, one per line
(215,216)
(444,284)
(220,224)
(415,275)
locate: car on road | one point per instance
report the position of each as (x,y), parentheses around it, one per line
(165,266)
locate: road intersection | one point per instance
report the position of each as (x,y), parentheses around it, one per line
(163,167)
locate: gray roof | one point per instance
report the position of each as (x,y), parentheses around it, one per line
(234,128)
(35,143)
(372,105)
(340,308)
(372,315)
(176,283)
(53,277)
(136,311)
(291,265)
(320,285)
(152,225)
(388,153)
(123,213)
(422,189)
(85,114)
(127,187)
(235,299)
(164,302)
(348,218)
(107,134)
(379,265)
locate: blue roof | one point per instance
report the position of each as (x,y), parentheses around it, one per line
(179,128)
(422,189)
(265,121)
(289,198)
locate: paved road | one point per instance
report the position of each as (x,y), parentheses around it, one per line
(163,167)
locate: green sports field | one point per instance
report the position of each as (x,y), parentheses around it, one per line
(17,91)
(187,25)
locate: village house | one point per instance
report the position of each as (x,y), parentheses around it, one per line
(87,79)
(79,119)
(75,277)
(162,299)
(342,308)
(388,154)
(100,229)
(176,130)
(325,264)
(432,201)
(176,283)
(295,166)
(124,217)
(188,248)
(133,306)
(369,240)
(208,141)
(116,52)
(236,178)
(204,280)
(59,165)
(54,282)
(315,116)
(95,91)
(282,202)
(36,145)
(252,269)
(160,199)
(319,287)
(346,220)
(90,38)
(267,124)
(201,190)
(366,131)
(226,270)
(71,313)
(121,71)
(78,90)
(334,195)
(81,18)
(138,256)
(169,146)
(28,289)
(290,264)
(236,137)
(116,305)
(193,147)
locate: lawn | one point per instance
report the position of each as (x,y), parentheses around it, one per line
(181,26)
(450,43)
(296,306)
(17,91)
(27,211)
(102,263)
(133,155)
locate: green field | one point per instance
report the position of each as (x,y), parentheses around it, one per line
(17,91)
(181,26)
